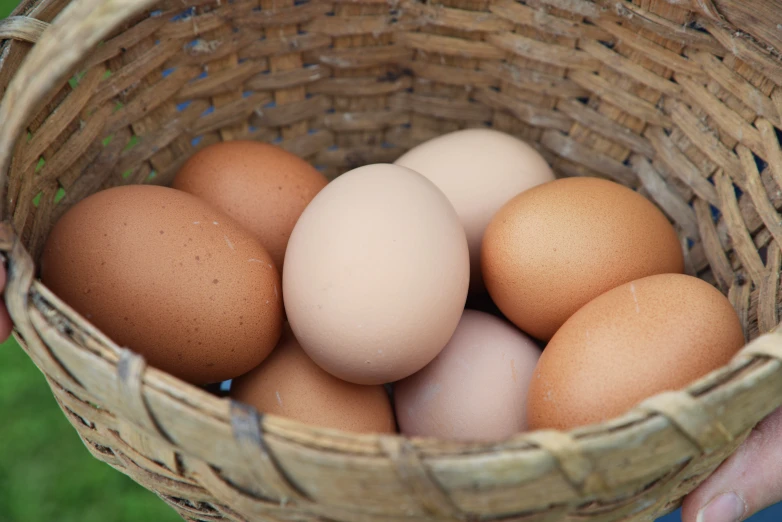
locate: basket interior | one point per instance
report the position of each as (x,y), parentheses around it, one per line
(348,83)
(615,93)
(682,107)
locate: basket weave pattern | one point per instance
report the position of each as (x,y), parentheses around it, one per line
(681,100)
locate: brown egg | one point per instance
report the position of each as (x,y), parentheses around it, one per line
(552,249)
(165,274)
(263,187)
(655,334)
(289,384)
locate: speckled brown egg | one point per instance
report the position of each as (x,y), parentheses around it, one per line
(552,249)
(165,274)
(289,384)
(655,334)
(263,187)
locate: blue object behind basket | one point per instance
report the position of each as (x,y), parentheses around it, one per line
(772,514)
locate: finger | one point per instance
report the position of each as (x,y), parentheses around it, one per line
(748,482)
(5,322)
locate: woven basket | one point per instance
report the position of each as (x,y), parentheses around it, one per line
(681,100)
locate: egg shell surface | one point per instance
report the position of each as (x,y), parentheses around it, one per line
(655,334)
(163,273)
(555,247)
(376,274)
(479,170)
(289,384)
(475,389)
(261,186)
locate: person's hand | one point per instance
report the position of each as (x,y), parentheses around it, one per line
(5,319)
(748,482)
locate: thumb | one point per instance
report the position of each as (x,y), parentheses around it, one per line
(748,482)
(5,321)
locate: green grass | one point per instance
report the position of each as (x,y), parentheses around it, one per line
(6,6)
(46,473)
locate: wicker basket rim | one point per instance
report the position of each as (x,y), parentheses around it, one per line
(692,415)
(91,20)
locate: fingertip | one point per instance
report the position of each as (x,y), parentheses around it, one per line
(3,275)
(729,476)
(701,496)
(6,325)
(749,473)
(690,508)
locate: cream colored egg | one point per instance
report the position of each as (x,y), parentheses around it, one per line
(376,274)
(476,389)
(479,170)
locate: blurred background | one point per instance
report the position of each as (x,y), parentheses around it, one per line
(46,473)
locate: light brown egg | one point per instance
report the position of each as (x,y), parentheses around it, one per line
(652,335)
(476,389)
(557,246)
(163,273)
(376,274)
(289,384)
(263,187)
(479,170)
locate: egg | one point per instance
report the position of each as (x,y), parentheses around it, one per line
(289,384)
(552,249)
(479,170)
(166,275)
(655,334)
(263,187)
(475,389)
(376,274)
